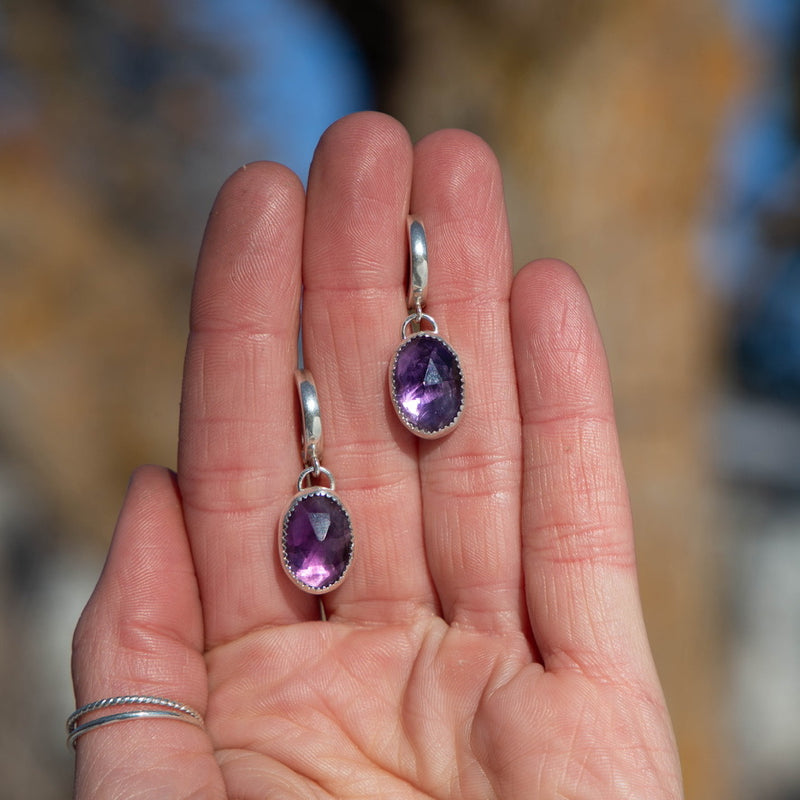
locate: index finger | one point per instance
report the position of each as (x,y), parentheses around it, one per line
(239,456)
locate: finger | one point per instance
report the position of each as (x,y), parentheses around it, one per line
(471,478)
(142,634)
(578,550)
(353,306)
(239,454)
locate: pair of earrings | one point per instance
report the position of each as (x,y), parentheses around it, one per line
(426,386)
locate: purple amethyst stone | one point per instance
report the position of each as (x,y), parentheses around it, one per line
(427,385)
(317,540)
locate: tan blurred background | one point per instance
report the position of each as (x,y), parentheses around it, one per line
(651,143)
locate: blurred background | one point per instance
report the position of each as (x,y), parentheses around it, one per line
(654,144)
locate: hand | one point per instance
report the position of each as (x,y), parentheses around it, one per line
(488,640)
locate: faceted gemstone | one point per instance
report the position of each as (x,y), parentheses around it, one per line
(427,384)
(317,541)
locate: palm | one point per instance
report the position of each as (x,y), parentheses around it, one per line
(448,714)
(488,641)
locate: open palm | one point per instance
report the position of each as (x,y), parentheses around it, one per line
(488,641)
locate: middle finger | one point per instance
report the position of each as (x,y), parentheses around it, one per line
(353,278)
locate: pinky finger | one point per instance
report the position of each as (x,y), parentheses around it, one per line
(141,634)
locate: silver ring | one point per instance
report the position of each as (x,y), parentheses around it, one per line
(315,472)
(166,709)
(419,319)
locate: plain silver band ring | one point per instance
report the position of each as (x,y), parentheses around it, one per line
(144,713)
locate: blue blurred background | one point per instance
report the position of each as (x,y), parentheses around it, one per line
(654,145)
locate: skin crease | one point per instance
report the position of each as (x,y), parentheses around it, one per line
(488,641)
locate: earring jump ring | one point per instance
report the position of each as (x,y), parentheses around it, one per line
(418,319)
(315,472)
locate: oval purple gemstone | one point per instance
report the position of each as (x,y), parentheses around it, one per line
(427,384)
(317,540)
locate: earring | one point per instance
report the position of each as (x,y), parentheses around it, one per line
(316,541)
(425,378)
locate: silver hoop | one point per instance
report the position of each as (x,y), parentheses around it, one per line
(311,420)
(417,265)
(166,709)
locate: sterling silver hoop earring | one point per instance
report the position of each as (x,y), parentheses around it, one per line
(425,378)
(316,536)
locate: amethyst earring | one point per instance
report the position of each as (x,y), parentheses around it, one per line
(316,541)
(425,378)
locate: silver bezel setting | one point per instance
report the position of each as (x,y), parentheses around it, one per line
(314,491)
(403,417)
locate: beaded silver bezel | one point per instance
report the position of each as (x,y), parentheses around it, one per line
(393,389)
(314,491)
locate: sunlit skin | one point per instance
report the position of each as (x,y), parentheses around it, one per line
(488,640)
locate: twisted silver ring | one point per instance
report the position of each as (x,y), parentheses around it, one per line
(165,709)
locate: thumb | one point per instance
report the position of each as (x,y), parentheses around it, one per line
(142,634)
